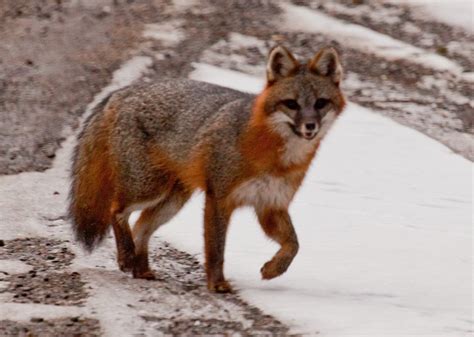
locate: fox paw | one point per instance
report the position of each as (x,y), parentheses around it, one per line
(126,265)
(146,275)
(272,269)
(221,287)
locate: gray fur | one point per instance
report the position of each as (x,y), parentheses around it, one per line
(177,115)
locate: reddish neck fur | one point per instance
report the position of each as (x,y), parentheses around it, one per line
(261,146)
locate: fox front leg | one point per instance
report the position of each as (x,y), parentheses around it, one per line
(216,220)
(278,226)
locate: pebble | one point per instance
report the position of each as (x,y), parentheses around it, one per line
(37,319)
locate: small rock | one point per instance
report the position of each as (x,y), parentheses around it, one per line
(36,319)
(2,243)
(442,50)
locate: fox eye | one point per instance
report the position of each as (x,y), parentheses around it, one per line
(321,103)
(291,104)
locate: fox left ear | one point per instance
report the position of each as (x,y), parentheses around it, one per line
(281,63)
(326,63)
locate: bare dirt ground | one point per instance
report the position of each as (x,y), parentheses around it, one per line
(55,55)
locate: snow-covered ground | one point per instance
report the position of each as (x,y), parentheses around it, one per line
(385,225)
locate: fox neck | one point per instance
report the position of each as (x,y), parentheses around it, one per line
(268,149)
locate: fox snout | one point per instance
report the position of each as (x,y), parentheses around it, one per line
(307,124)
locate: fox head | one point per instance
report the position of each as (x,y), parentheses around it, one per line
(303,100)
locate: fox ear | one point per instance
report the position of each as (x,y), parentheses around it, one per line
(326,63)
(281,63)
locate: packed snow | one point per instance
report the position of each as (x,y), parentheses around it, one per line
(11,266)
(225,77)
(169,33)
(26,311)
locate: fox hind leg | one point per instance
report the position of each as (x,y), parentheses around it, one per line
(149,221)
(124,241)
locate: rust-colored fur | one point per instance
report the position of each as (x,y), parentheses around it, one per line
(94,188)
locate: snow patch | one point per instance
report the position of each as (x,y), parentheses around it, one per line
(468,76)
(169,33)
(184,5)
(13,267)
(26,311)
(238,40)
(234,52)
(224,77)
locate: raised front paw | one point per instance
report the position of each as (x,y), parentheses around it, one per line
(272,269)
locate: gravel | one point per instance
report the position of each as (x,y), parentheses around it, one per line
(39,327)
(46,282)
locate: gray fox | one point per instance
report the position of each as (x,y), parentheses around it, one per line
(150,146)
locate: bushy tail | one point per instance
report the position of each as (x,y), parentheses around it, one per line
(92,188)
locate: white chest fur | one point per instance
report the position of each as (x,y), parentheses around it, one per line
(296,149)
(266,191)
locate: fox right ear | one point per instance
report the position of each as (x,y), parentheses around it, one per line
(326,63)
(281,63)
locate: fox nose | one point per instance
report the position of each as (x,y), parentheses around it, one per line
(309,129)
(310,126)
